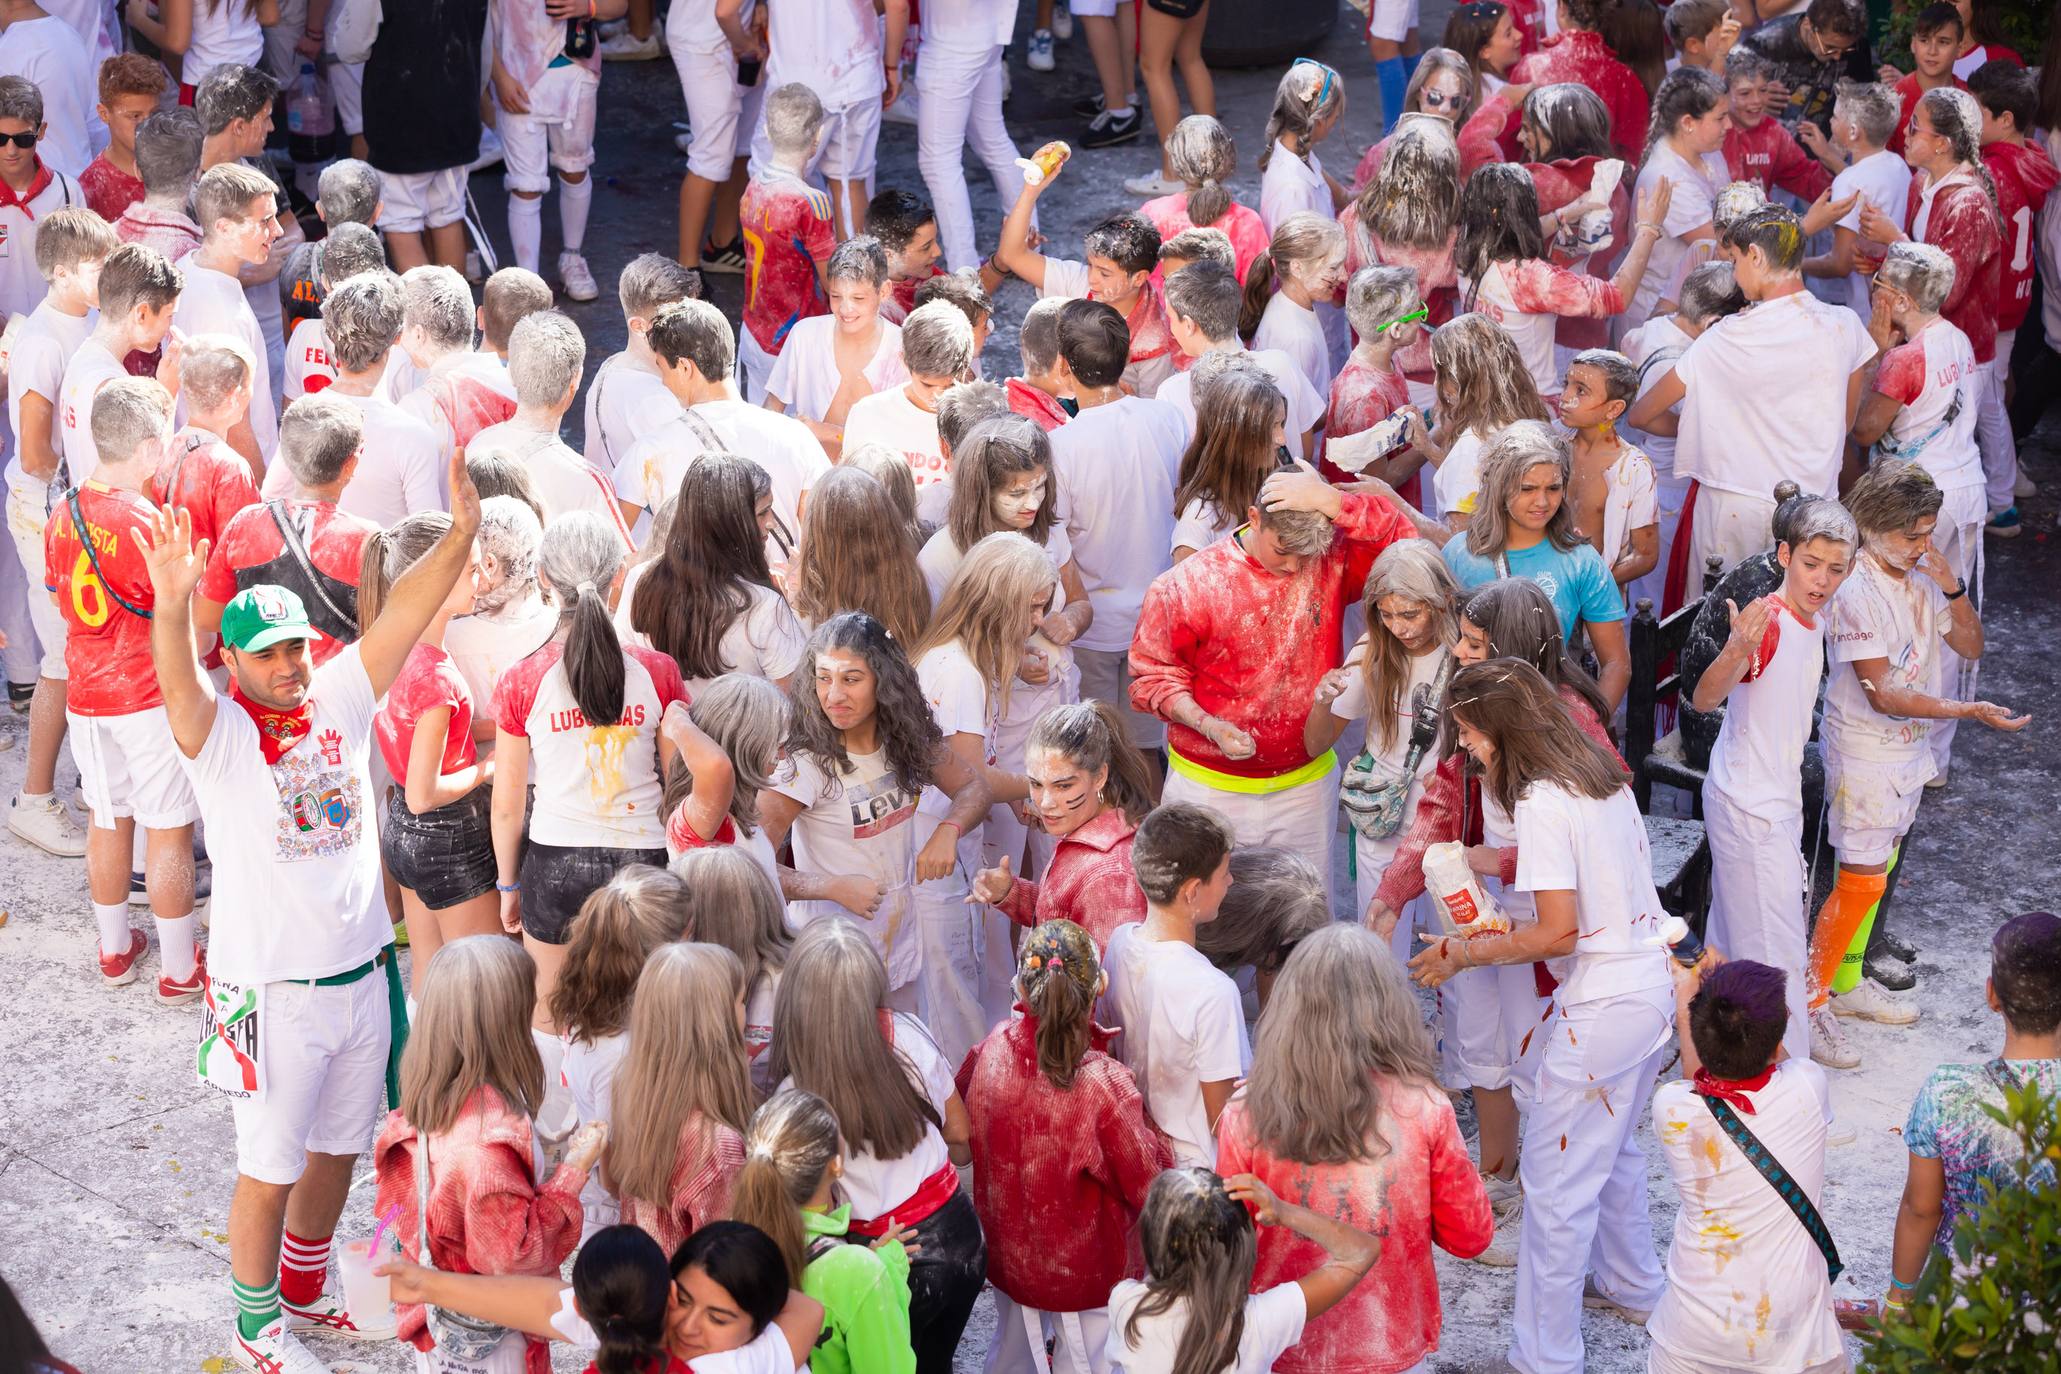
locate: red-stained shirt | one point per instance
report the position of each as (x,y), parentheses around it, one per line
(901,295)
(1907,94)
(705,1169)
(1250,645)
(207,479)
(1585,59)
(2024,174)
(787,232)
(1420,1192)
(1770,155)
(1963,223)
(1361,398)
(1089,881)
(1059,1174)
(1561,183)
(1437,283)
(251,552)
(106,648)
(487,1212)
(1030,402)
(1241,224)
(108,189)
(428,679)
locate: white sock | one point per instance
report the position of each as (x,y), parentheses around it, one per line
(526,230)
(29,799)
(1120,111)
(175,948)
(575,198)
(113,920)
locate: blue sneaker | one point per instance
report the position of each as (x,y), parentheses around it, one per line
(1039,58)
(2005,524)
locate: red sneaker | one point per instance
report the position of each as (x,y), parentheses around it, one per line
(117,969)
(178,994)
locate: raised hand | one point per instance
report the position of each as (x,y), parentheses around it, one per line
(1751,624)
(1247,1188)
(1654,201)
(464,496)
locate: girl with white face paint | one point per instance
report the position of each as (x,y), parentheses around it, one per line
(1307,259)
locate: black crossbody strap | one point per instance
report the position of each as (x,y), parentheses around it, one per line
(1786,1187)
(71,498)
(292,539)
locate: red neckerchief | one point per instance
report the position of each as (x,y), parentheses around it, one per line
(1731,1090)
(278,731)
(1029,401)
(37,185)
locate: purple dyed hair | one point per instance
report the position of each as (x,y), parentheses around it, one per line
(1737,1017)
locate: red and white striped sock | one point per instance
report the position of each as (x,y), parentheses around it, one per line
(303,1269)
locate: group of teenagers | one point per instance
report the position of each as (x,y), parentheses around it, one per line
(845,771)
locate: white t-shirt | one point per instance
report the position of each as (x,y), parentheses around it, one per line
(464,392)
(1291,185)
(1354,703)
(1598,850)
(1273,1322)
(1766,396)
(1875,614)
(90,368)
(1653,348)
(625,401)
(1456,485)
(1757,762)
(805,374)
(1696,187)
(561,480)
(300,893)
(397,467)
(47,340)
(650,469)
(1306,406)
(961,704)
(862,823)
(1631,501)
(308,366)
(484,647)
(1884,181)
(765,640)
(891,418)
(940,558)
(1115,466)
(1741,1226)
(692,27)
(587,1072)
(1183,1025)
(22,287)
(1935,377)
(213,303)
(51,53)
(225,33)
(969,25)
(833,46)
(1200,525)
(1296,331)
(875,1186)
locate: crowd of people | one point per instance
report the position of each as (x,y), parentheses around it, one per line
(846,771)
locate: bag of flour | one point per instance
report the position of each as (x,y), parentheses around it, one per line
(1464,908)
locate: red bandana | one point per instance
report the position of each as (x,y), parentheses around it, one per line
(37,185)
(1731,1090)
(278,731)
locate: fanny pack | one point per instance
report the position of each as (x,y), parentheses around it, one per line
(1786,1187)
(1374,791)
(456,1335)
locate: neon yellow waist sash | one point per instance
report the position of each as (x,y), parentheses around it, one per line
(1257,787)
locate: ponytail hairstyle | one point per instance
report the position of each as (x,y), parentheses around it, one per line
(1199,1248)
(1059,977)
(792,1143)
(1200,152)
(1310,93)
(389,553)
(1518,619)
(607,945)
(746,717)
(1303,237)
(1687,93)
(578,560)
(1499,222)
(620,1284)
(1414,200)
(1093,736)
(1956,116)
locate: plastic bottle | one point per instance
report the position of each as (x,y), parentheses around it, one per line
(310,119)
(1683,943)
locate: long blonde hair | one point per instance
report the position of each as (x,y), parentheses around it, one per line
(1304,236)
(685,1063)
(1482,382)
(617,928)
(983,608)
(735,905)
(1414,200)
(857,553)
(1517,450)
(472,1031)
(1413,570)
(792,1142)
(1341,1012)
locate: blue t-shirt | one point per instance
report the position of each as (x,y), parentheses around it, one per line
(1580,586)
(1947,1123)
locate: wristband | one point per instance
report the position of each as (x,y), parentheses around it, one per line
(507,887)
(1957,593)
(1899,1285)
(957,828)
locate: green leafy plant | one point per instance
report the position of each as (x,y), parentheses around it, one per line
(2025,30)
(1995,1304)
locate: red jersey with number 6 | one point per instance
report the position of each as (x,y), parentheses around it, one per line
(106,648)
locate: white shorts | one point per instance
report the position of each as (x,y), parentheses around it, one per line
(129,766)
(347,86)
(1392,19)
(1870,805)
(1092,9)
(851,138)
(25,518)
(1303,817)
(719,111)
(754,367)
(568,144)
(323,1057)
(1106,676)
(411,202)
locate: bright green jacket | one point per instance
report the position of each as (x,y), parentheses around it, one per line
(865,1297)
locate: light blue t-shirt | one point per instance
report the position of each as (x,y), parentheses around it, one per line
(1577,582)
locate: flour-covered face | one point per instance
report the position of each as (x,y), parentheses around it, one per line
(1021,496)
(1065,795)
(1411,622)
(1901,549)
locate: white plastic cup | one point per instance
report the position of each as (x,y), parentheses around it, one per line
(368,1297)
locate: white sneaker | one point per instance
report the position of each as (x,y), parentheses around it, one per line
(627,47)
(2024,488)
(1839,1131)
(684,141)
(1593,1296)
(575,278)
(47,824)
(275,1350)
(1502,1247)
(1505,1195)
(1153,184)
(1038,56)
(1870,1001)
(1829,1045)
(1062,23)
(327,1315)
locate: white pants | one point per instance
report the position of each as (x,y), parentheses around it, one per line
(754,367)
(509,1357)
(965,951)
(1993,431)
(1585,1206)
(1958,537)
(25,520)
(962,104)
(129,766)
(1303,818)
(1659,1361)
(1370,865)
(1758,898)
(1078,1340)
(1732,526)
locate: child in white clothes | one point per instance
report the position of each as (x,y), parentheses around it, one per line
(937,350)
(627,400)
(719,49)
(829,363)
(546,81)
(1307,106)
(1863,120)
(841,50)
(1691,112)
(1307,258)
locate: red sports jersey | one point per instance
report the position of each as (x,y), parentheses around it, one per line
(2024,174)
(901,295)
(1769,155)
(107,646)
(1963,222)
(108,189)
(787,232)
(253,552)
(206,478)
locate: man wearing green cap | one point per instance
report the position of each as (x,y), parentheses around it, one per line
(303,996)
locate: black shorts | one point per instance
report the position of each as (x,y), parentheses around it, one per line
(445,856)
(1179,9)
(556,879)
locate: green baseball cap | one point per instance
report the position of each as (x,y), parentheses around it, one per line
(261,616)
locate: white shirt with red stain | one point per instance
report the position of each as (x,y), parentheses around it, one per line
(1901,620)
(463,394)
(597,785)
(309,368)
(1933,377)
(1757,762)
(1956,215)
(1528,298)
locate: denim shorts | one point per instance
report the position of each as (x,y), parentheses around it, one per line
(445,856)
(556,879)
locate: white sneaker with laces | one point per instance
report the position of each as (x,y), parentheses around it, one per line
(1870,1001)
(1505,1195)
(1502,1247)
(1153,184)
(627,47)
(1062,23)
(327,1315)
(1839,1131)
(275,1350)
(1038,55)
(1829,1045)
(45,823)
(575,278)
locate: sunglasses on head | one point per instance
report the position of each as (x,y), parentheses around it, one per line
(25,139)
(1323,90)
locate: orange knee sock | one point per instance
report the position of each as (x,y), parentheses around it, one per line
(1852,895)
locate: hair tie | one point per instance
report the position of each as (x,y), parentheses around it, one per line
(584,586)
